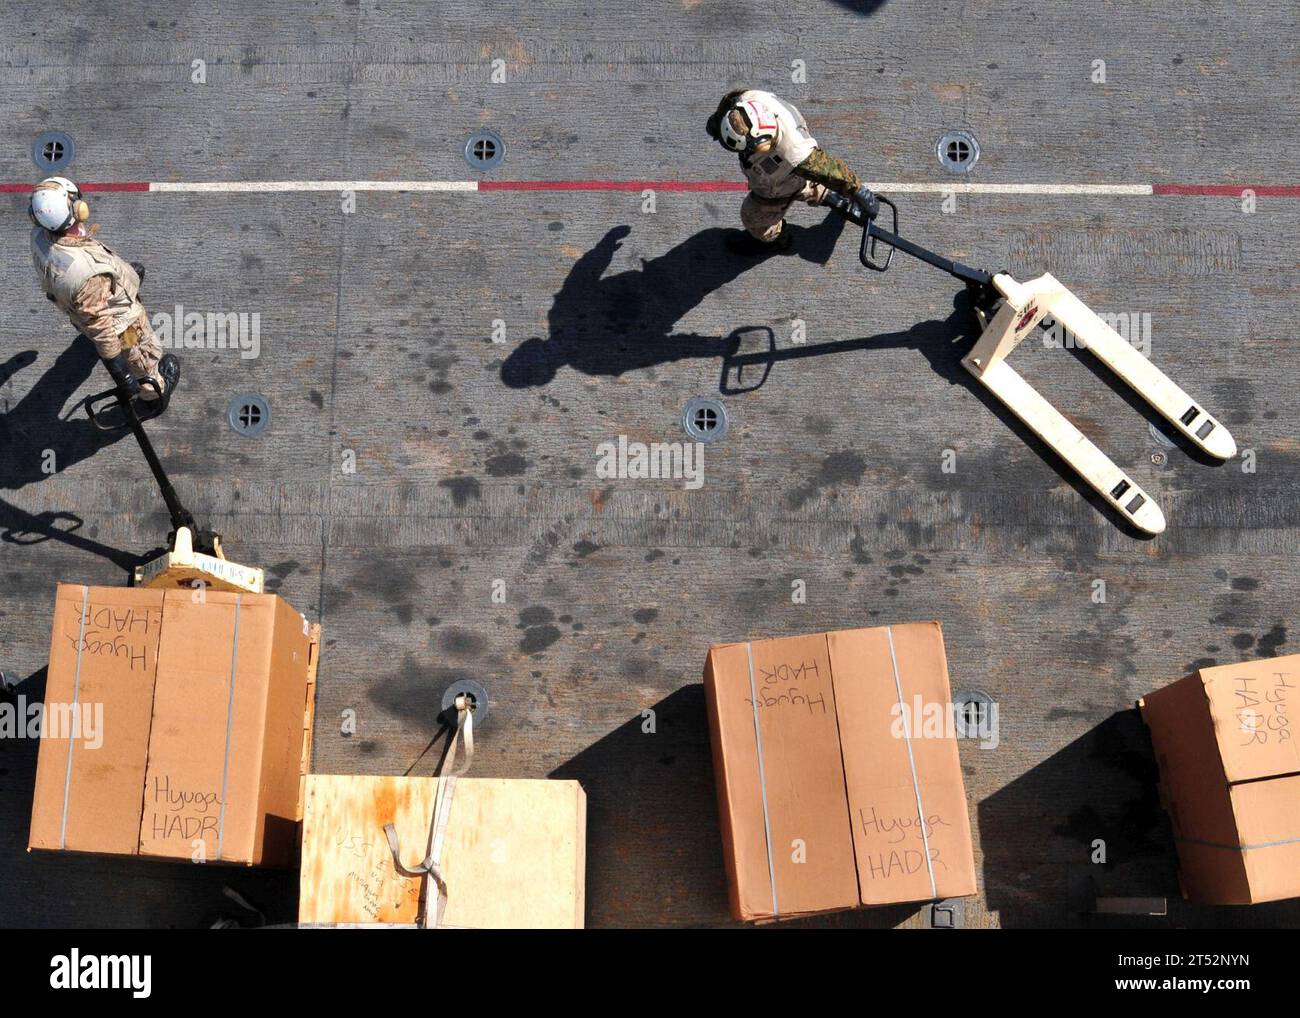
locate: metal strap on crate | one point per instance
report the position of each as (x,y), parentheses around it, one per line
(911,762)
(76,693)
(762,780)
(230,715)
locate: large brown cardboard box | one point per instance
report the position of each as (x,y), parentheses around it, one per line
(1230,778)
(831,792)
(513,853)
(206,702)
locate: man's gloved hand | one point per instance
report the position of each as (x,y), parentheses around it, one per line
(121,372)
(866,199)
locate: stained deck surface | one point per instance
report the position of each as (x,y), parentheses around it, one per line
(476,461)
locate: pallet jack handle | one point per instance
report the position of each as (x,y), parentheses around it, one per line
(204,540)
(863,207)
(1007,312)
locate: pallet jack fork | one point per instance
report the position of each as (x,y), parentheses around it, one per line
(194,557)
(1009,311)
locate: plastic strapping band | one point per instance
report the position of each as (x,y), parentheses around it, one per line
(441,811)
(76,693)
(911,761)
(230,716)
(431,865)
(464,732)
(441,814)
(762,779)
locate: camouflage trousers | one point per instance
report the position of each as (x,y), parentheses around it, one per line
(763,217)
(143,351)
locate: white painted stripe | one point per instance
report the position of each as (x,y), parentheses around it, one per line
(271,186)
(967,187)
(895,187)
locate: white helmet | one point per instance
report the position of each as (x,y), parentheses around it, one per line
(760,121)
(56,204)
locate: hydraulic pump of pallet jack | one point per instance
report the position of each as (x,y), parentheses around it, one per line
(1009,311)
(194,557)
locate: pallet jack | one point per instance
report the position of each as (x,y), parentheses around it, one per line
(1007,312)
(194,556)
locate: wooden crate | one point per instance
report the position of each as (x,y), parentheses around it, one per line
(514,854)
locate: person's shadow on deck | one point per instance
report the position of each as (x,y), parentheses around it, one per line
(37,423)
(607,325)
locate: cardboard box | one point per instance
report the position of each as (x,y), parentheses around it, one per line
(194,725)
(513,853)
(832,791)
(1230,778)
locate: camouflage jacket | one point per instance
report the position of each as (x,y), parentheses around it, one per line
(91,312)
(823,168)
(96,322)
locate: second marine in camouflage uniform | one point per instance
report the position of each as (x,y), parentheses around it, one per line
(780,158)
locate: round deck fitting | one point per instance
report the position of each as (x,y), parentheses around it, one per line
(704,419)
(478,699)
(958,151)
(248,414)
(484,150)
(52,151)
(971,713)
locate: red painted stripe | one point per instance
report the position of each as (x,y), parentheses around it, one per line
(131,185)
(1229,190)
(612,185)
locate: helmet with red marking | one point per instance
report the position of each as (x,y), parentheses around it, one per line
(748,124)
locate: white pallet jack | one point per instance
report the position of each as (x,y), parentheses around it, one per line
(194,557)
(1009,311)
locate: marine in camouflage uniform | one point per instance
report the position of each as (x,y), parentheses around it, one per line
(99,292)
(104,302)
(782,161)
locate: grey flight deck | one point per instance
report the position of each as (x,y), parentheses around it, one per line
(476,461)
